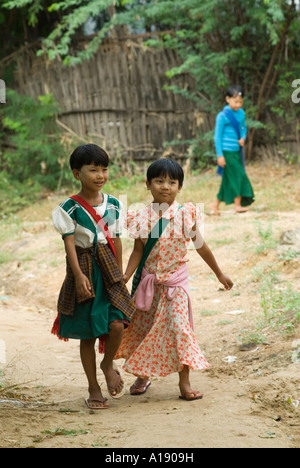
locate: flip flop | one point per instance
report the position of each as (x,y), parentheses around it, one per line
(183,397)
(122,392)
(88,402)
(139,389)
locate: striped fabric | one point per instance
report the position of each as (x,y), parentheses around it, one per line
(112,278)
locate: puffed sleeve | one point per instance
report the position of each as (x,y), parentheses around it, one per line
(193,216)
(62,222)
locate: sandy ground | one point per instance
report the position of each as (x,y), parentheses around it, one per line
(248,403)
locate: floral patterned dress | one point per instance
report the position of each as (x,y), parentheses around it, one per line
(161,341)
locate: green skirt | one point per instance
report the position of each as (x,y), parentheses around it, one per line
(235,182)
(91,319)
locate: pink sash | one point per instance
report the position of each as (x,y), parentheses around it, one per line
(145,291)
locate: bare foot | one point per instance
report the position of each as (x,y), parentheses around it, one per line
(215,209)
(115,384)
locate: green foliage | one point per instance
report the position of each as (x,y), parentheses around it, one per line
(280,305)
(65,432)
(15,195)
(59,41)
(31,151)
(266,239)
(23,22)
(34,7)
(221,42)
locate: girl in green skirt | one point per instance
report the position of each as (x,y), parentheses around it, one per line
(94,301)
(230,136)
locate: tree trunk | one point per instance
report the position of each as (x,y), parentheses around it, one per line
(264,87)
(119,31)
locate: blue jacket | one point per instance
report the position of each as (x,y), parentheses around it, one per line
(225,136)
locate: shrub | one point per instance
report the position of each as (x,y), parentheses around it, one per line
(31,148)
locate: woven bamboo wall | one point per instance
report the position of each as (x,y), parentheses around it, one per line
(117,98)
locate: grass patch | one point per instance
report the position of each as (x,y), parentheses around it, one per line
(248,337)
(5,257)
(280,305)
(208,313)
(289,255)
(267,240)
(279,302)
(65,432)
(16,195)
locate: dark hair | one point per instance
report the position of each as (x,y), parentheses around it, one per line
(163,167)
(235,90)
(88,154)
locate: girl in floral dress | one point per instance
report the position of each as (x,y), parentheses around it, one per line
(160,339)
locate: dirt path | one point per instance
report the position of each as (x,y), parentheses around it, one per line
(251,402)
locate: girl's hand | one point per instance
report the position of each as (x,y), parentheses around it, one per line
(221,161)
(83,286)
(226,281)
(242,142)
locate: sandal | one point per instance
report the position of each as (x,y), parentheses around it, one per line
(184,397)
(89,401)
(139,389)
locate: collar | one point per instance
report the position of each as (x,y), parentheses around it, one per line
(168,214)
